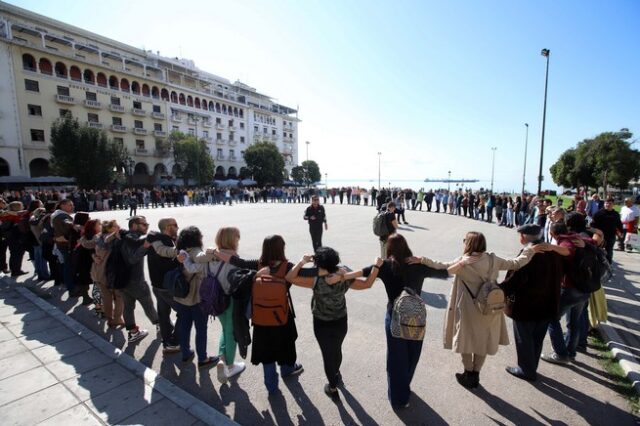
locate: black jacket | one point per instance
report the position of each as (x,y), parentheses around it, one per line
(158,265)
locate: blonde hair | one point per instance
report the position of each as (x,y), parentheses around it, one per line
(227,238)
(107,226)
(474,242)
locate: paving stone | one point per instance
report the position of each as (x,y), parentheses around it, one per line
(123,401)
(20,317)
(22,307)
(78,415)
(30,327)
(38,406)
(17,364)
(162,413)
(98,381)
(10,348)
(46,337)
(78,364)
(20,385)
(5,334)
(61,349)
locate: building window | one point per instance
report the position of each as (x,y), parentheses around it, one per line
(192,132)
(273,132)
(35,110)
(264,130)
(232,153)
(230,123)
(219,153)
(118,141)
(255,129)
(63,91)
(241,139)
(218,136)
(31,85)
(231,136)
(64,112)
(116,121)
(242,125)
(139,143)
(156,108)
(138,124)
(92,118)
(157,126)
(115,100)
(37,135)
(137,105)
(91,96)
(205,134)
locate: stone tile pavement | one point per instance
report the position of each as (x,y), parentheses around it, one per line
(55,371)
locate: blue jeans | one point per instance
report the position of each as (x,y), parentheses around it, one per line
(402,359)
(40,264)
(271,375)
(187,317)
(572,303)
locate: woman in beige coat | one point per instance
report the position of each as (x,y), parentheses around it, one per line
(466,330)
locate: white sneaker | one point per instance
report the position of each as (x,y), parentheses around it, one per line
(235,369)
(137,335)
(222,372)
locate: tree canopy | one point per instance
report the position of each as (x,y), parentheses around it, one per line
(265,163)
(84,153)
(607,159)
(193,158)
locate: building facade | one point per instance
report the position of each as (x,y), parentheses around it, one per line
(48,69)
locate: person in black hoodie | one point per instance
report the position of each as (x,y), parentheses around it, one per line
(161,258)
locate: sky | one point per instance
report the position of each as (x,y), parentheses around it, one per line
(432,85)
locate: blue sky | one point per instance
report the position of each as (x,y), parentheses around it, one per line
(433,85)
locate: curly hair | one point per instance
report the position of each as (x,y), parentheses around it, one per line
(189,237)
(326,258)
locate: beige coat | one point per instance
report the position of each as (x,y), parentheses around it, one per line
(194,273)
(466,329)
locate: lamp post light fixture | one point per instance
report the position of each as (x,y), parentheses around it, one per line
(524,169)
(379,155)
(545,53)
(493,164)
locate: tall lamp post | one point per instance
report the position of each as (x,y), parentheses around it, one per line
(326,181)
(449,182)
(307,142)
(524,169)
(379,155)
(493,164)
(545,53)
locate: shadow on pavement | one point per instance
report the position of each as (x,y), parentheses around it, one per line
(510,412)
(419,413)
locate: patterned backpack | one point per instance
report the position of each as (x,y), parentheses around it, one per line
(408,316)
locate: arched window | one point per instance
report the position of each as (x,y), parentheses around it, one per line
(124,85)
(155,92)
(210,105)
(241,113)
(88,77)
(28,62)
(45,66)
(181,99)
(205,105)
(217,107)
(145,90)
(141,169)
(39,167)
(101,80)
(232,172)
(164,95)
(224,109)
(160,169)
(235,111)
(219,172)
(174,97)
(135,88)
(114,83)
(189,101)
(61,70)
(196,102)
(4,168)
(75,73)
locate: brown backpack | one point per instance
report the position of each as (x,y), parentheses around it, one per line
(269,299)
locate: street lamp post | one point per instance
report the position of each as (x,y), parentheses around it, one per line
(545,53)
(493,164)
(379,155)
(307,142)
(449,182)
(524,169)
(326,181)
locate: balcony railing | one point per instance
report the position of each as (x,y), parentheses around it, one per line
(233,158)
(233,143)
(92,104)
(208,138)
(142,151)
(118,128)
(176,119)
(94,124)
(64,99)
(159,133)
(232,128)
(116,108)
(139,131)
(219,126)
(206,123)
(220,141)
(158,115)
(139,112)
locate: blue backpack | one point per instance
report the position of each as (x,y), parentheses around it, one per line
(213,300)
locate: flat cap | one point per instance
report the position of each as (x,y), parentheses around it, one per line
(529,229)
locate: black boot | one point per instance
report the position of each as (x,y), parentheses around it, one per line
(474,377)
(465,379)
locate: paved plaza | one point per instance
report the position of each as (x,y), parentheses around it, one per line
(579,394)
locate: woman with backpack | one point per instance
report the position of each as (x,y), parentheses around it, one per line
(111,300)
(329,308)
(402,354)
(468,331)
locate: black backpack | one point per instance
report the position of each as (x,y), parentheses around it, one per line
(589,268)
(46,237)
(117,269)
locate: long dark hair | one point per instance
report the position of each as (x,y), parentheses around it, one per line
(89,230)
(189,237)
(272,250)
(398,251)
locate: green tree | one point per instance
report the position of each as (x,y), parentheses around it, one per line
(265,163)
(607,159)
(193,158)
(311,172)
(84,153)
(298,174)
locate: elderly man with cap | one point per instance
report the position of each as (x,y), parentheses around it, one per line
(533,300)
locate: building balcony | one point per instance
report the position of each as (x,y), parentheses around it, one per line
(233,158)
(219,126)
(220,157)
(288,128)
(142,151)
(139,112)
(94,125)
(162,153)
(232,128)
(116,108)
(233,143)
(159,133)
(64,99)
(118,128)
(139,131)
(176,119)
(207,123)
(158,115)
(92,104)
(220,141)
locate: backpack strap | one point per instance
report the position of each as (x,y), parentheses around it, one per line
(486,280)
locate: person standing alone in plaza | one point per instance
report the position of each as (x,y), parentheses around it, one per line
(317,218)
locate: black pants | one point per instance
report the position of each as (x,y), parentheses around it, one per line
(164,304)
(316,236)
(330,335)
(529,336)
(16,253)
(3,254)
